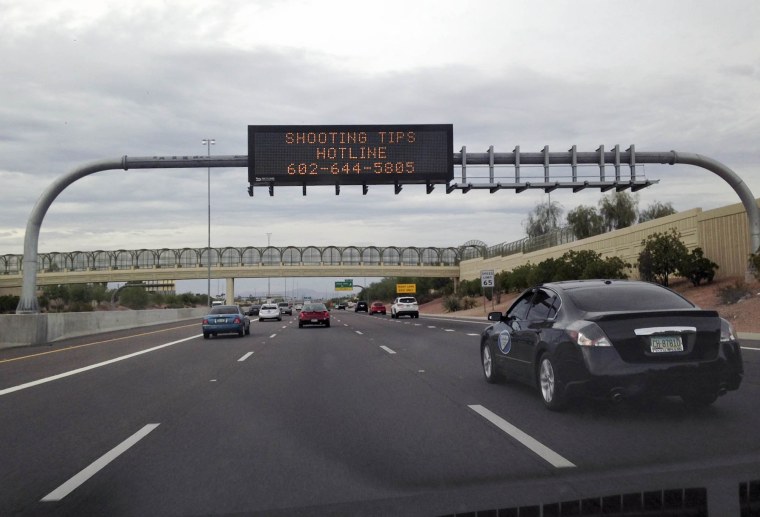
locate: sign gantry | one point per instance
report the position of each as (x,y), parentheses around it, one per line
(374,154)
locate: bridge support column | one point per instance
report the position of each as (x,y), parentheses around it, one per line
(229,295)
(456,284)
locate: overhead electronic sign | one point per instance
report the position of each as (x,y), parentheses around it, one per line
(350,154)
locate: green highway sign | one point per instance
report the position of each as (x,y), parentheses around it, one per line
(344,285)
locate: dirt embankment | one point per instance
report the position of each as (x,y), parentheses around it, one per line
(744,315)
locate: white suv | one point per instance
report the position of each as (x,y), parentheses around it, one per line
(405,306)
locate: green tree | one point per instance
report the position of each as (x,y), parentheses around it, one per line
(100,292)
(585,222)
(134,297)
(618,210)
(543,219)
(662,255)
(8,303)
(656,210)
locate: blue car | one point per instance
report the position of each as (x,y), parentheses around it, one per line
(226,319)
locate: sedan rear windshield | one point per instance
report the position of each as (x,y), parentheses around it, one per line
(222,309)
(626,297)
(315,307)
(407,300)
(270,307)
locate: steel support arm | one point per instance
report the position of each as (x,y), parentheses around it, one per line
(28,302)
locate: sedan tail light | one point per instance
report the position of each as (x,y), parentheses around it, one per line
(237,320)
(205,321)
(727,332)
(587,333)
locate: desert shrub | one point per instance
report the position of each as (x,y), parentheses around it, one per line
(452,304)
(8,303)
(468,303)
(696,267)
(731,294)
(754,260)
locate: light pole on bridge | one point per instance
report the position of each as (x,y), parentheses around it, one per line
(269,279)
(208,142)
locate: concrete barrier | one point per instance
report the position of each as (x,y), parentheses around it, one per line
(39,329)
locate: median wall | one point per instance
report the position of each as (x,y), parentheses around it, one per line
(40,329)
(722,233)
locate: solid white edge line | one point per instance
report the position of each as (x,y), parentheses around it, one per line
(85,474)
(387,349)
(749,348)
(246,356)
(531,443)
(91,367)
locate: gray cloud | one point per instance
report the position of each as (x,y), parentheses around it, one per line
(147,81)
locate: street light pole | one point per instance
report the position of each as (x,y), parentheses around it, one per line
(269,279)
(208,142)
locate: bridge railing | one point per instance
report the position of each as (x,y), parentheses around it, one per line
(101,260)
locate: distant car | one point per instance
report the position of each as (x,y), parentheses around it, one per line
(225,319)
(270,311)
(314,314)
(612,339)
(340,306)
(285,308)
(405,306)
(377,308)
(299,306)
(253,310)
(361,307)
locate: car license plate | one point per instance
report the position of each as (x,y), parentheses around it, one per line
(666,344)
(221,320)
(314,320)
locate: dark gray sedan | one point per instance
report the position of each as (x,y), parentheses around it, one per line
(614,339)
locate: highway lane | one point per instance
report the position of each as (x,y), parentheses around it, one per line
(370,415)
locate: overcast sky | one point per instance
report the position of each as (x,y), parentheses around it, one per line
(87,80)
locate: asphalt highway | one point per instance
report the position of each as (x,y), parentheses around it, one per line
(372,416)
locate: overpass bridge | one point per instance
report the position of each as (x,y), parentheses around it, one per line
(239,262)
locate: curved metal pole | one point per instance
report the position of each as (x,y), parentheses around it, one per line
(741,188)
(28,302)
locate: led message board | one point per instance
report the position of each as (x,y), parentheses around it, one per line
(350,155)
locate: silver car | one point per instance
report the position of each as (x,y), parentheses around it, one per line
(270,311)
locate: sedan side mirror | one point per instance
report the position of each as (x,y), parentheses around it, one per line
(494,316)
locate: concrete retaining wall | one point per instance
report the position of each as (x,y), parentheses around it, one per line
(38,329)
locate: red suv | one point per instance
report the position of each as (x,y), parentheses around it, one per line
(377,307)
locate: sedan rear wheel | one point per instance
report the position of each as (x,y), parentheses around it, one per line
(551,387)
